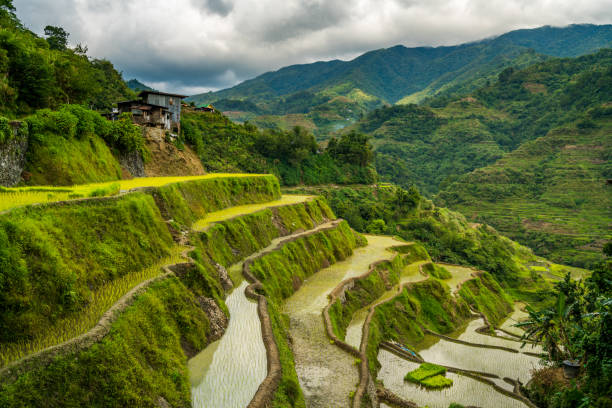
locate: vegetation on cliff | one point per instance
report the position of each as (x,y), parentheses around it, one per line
(531,123)
(40,72)
(293,156)
(446,235)
(57,257)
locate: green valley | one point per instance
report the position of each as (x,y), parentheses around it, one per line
(417,227)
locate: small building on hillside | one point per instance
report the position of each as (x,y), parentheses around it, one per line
(158,109)
(147,114)
(205,108)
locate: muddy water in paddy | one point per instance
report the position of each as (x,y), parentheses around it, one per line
(465,391)
(327,374)
(500,362)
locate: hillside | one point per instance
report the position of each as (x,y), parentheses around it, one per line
(550,193)
(433,146)
(137,86)
(330,95)
(40,72)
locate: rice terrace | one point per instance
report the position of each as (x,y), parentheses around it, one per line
(306,204)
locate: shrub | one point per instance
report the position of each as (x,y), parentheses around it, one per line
(5,130)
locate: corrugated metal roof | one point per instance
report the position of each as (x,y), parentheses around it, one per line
(161,93)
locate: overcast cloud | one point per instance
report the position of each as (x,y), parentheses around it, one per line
(193,46)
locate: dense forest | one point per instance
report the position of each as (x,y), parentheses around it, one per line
(521,122)
(40,72)
(292,155)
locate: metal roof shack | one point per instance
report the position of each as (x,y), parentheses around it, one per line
(170,101)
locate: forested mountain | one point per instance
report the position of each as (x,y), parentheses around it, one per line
(433,144)
(40,72)
(550,193)
(326,96)
(559,107)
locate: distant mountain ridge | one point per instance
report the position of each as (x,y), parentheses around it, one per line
(136,85)
(391,75)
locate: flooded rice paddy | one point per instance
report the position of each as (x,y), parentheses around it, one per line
(228,372)
(494,361)
(327,374)
(465,390)
(517,316)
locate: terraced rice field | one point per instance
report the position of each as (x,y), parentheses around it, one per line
(20,196)
(326,373)
(465,390)
(99,302)
(239,210)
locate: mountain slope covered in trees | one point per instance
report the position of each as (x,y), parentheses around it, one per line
(547,130)
(40,72)
(329,95)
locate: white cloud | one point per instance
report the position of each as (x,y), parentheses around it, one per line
(189,45)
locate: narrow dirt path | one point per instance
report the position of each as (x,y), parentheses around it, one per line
(328,374)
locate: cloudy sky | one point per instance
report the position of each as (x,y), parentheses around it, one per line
(193,46)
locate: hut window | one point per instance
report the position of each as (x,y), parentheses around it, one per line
(171,101)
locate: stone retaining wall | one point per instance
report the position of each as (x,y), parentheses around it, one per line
(12,155)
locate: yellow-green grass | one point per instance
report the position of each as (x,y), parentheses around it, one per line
(436,382)
(100,301)
(430,376)
(20,196)
(232,212)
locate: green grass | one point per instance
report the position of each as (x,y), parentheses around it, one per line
(436,271)
(437,382)
(139,361)
(20,196)
(64,265)
(96,305)
(424,371)
(429,376)
(485,295)
(59,161)
(367,290)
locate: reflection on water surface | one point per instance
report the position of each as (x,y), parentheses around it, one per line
(228,372)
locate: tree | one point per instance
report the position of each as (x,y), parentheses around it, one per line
(7,12)
(57,37)
(352,148)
